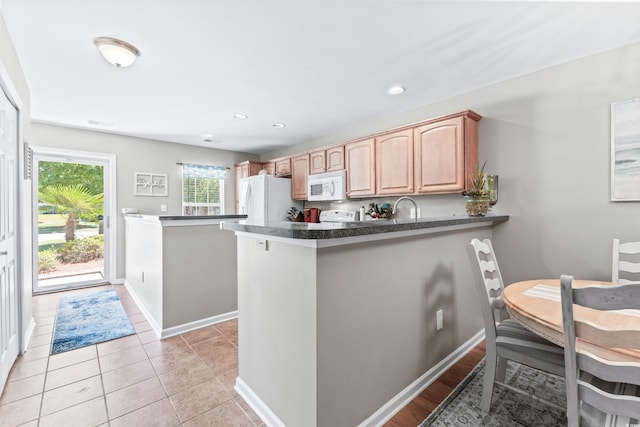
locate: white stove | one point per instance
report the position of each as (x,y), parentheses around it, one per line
(339,216)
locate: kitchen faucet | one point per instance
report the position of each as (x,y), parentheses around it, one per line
(395,205)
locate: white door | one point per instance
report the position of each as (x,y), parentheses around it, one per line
(9,336)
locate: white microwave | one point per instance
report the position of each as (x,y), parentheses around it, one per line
(327,186)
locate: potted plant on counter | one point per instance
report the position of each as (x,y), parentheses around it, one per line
(477,197)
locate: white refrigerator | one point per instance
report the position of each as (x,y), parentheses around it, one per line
(266,198)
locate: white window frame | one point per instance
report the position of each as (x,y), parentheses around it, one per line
(196,208)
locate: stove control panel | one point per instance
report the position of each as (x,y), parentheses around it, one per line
(339,216)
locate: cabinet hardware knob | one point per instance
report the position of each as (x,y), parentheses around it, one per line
(4,253)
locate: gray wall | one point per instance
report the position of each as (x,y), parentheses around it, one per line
(376,316)
(200,274)
(141,155)
(547,135)
(13,82)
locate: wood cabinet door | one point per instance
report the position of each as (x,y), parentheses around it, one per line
(269,168)
(361,172)
(299,176)
(335,159)
(394,163)
(241,171)
(254,168)
(439,150)
(317,160)
(244,170)
(283,167)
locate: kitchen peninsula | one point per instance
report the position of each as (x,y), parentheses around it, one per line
(181,270)
(337,322)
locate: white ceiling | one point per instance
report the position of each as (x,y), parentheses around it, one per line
(315,65)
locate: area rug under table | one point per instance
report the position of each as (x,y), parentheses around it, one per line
(462,406)
(89,318)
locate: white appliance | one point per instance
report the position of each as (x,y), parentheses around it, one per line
(339,216)
(327,186)
(265,198)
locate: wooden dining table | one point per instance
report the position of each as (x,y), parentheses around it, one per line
(536,305)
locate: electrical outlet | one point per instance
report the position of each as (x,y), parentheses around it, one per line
(163,208)
(438,320)
(262,245)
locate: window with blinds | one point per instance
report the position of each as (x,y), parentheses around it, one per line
(203,189)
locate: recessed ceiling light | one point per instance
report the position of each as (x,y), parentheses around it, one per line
(240,116)
(396,90)
(206,135)
(278,125)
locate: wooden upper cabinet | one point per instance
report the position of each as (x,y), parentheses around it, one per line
(335,158)
(394,163)
(299,176)
(269,168)
(360,165)
(446,154)
(247,168)
(317,160)
(244,170)
(283,167)
(435,156)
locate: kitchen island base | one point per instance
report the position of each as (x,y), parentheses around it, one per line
(330,335)
(181,271)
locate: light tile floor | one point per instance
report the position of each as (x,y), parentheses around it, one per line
(186,380)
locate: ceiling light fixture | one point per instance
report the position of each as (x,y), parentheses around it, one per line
(240,116)
(278,125)
(117,52)
(396,90)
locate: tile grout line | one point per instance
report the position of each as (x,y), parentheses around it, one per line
(46,372)
(104,393)
(232,398)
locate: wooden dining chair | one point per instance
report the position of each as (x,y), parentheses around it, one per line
(626,260)
(599,392)
(505,338)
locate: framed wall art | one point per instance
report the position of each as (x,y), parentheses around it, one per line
(625,150)
(151,184)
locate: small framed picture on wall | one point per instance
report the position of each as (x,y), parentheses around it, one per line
(151,184)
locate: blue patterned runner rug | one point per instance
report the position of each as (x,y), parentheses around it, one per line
(462,407)
(90,318)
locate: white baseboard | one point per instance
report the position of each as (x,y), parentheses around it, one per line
(197,324)
(179,329)
(258,406)
(156,328)
(27,335)
(402,399)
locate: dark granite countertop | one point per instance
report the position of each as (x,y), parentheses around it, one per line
(303,230)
